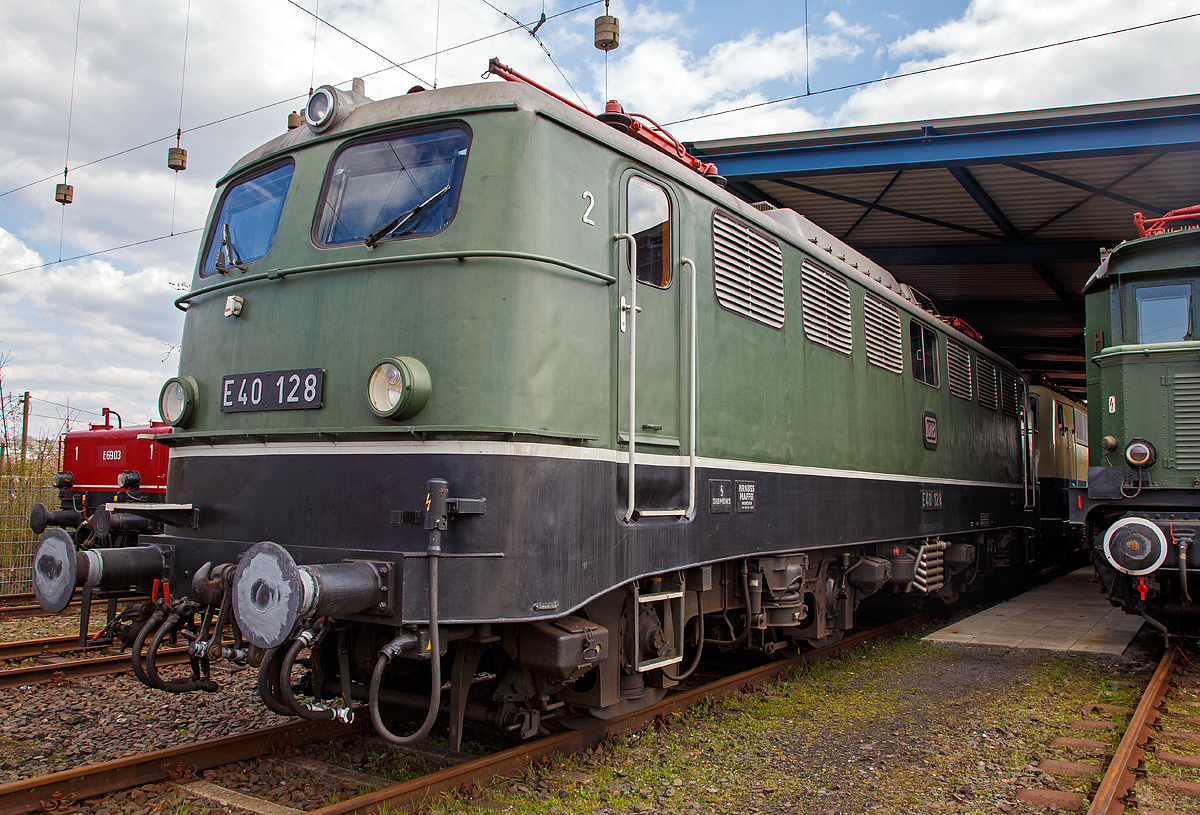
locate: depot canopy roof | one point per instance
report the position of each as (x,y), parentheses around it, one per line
(999,219)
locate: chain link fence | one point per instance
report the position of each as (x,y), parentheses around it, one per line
(18,494)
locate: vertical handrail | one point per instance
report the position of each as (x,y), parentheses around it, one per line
(632,309)
(692,376)
(1028,488)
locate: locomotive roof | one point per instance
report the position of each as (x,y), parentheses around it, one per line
(1177,249)
(368,114)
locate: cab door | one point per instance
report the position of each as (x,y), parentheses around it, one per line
(649,386)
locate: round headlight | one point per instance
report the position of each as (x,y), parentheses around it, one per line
(177,400)
(1140,454)
(321,107)
(398,387)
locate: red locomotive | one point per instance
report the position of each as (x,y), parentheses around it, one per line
(106,465)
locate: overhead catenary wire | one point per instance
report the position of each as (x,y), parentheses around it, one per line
(68,407)
(100,252)
(437,30)
(70,118)
(501,33)
(289,100)
(358,42)
(312,73)
(975,61)
(179,124)
(532,31)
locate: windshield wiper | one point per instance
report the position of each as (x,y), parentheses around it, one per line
(400,220)
(227,254)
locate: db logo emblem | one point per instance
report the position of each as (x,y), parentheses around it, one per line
(929,423)
(1112,404)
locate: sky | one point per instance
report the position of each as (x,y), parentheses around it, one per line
(83,80)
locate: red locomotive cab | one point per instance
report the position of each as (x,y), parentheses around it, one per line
(98,457)
(104,465)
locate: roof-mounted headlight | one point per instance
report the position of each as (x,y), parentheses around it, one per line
(177,400)
(321,112)
(398,387)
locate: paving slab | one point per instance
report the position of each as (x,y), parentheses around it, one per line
(1068,614)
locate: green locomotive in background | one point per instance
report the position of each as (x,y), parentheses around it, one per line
(1142,502)
(470,376)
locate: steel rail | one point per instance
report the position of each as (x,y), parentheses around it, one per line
(20,649)
(58,790)
(24,612)
(411,795)
(93,780)
(80,668)
(24,606)
(1120,777)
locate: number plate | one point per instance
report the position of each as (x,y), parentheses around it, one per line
(298,389)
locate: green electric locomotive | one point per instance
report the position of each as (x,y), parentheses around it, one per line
(1142,501)
(477,385)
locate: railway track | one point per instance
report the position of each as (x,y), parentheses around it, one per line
(1146,758)
(51,664)
(24,606)
(184,765)
(101,665)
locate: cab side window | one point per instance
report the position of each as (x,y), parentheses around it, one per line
(1164,313)
(648,219)
(924,353)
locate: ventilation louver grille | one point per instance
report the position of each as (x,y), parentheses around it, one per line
(1185,415)
(826,309)
(747,272)
(884,345)
(1008,392)
(988,397)
(958,361)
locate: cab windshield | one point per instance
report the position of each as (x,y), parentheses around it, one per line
(245,227)
(395,187)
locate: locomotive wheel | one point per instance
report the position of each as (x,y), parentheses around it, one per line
(652,696)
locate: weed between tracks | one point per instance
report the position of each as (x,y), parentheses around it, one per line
(895,727)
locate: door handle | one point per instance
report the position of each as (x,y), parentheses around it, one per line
(625,308)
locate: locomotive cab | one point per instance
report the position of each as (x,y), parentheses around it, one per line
(1142,503)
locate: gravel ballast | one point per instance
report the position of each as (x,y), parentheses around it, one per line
(897,727)
(902,726)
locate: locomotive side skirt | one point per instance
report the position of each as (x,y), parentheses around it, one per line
(550,539)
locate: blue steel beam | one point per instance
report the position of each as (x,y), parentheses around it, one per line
(932,149)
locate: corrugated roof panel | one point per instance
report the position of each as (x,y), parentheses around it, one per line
(1002,282)
(935,194)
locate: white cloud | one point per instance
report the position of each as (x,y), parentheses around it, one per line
(85,333)
(97,329)
(839,24)
(647,20)
(1106,69)
(661,75)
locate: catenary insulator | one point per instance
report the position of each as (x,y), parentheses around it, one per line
(64,194)
(176,159)
(608,34)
